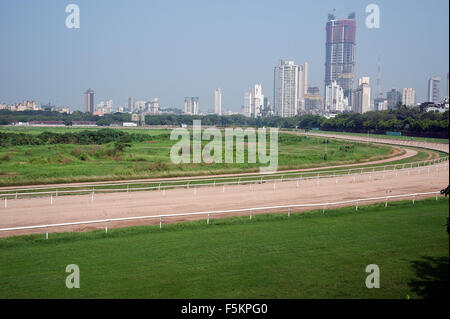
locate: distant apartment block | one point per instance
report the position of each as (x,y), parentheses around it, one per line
(218,101)
(63,109)
(434,84)
(286,88)
(313,100)
(379,104)
(131,104)
(139,106)
(393,98)
(191,105)
(254,102)
(24,106)
(302,85)
(104,107)
(362,96)
(335,100)
(408,97)
(152,107)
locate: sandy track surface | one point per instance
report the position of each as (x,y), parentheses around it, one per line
(39,211)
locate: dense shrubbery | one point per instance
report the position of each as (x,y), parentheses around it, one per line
(102,136)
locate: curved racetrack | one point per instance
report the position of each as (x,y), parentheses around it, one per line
(38,211)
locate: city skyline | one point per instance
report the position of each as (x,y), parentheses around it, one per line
(65,71)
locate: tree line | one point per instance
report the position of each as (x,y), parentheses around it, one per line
(409,121)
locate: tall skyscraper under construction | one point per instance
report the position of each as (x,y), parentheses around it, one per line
(340,53)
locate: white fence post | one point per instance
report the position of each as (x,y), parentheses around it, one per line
(106,227)
(160,222)
(6,202)
(208,219)
(289,212)
(46,232)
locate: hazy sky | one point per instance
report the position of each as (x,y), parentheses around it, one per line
(173,49)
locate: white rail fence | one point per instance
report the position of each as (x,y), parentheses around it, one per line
(208,214)
(222,181)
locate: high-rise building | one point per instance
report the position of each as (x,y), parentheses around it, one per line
(393,98)
(286,88)
(254,102)
(340,53)
(362,96)
(131,104)
(257,100)
(248,104)
(191,105)
(302,84)
(434,84)
(89,101)
(408,96)
(218,101)
(335,101)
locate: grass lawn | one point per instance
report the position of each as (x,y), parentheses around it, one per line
(61,163)
(306,255)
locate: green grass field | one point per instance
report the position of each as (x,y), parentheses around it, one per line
(306,255)
(60,163)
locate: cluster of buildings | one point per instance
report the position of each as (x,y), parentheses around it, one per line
(293,96)
(32,106)
(104,107)
(191,105)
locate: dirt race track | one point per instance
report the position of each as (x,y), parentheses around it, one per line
(75,208)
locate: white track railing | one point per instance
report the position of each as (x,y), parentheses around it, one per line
(324,206)
(236,180)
